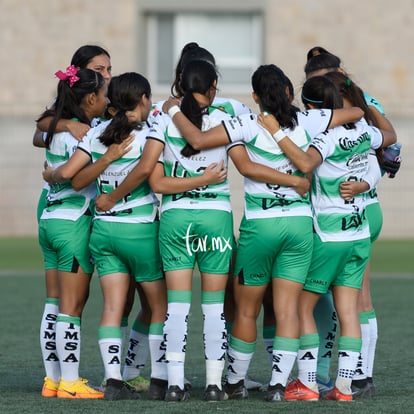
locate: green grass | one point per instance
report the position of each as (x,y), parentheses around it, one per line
(21,369)
(392,256)
(21,253)
(389,256)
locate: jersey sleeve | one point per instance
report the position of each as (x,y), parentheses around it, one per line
(376,137)
(315,121)
(373,174)
(159,126)
(371,101)
(239,128)
(323,144)
(85,144)
(94,133)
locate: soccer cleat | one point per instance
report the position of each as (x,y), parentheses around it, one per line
(275,393)
(265,387)
(140,384)
(176,394)
(50,388)
(361,389)
(77,389)
(236,391)
(214,393)
(324,387)
(119,390)
(337,395)
(296,391)
(157,389)
(251,384)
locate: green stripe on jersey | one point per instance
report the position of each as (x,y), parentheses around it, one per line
(264,202)
(340,223)
(56,158)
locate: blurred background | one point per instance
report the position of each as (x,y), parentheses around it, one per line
(373,38)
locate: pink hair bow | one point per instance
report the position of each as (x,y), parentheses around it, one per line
(70,74)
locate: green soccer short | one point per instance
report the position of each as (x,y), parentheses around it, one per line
(41,204)
(274,247)
(65,243)
(199,236)
(337,264)
(373,213)
(127,248)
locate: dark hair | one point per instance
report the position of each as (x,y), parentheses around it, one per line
(352,92)
(315,51)
(270,83)
(124,93)
(323,60)
(197,76)
(191,51)
(69,98)
(321,93)
(85,54)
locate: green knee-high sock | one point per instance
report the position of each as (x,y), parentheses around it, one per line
(326,322)
(268,338)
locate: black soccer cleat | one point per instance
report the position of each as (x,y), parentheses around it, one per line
(119,390)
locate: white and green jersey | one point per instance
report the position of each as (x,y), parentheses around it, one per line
(372,196)
(229,106)
(269,200)
(315,121)
(345,155)
(141,204)
(63,202)
(213,196)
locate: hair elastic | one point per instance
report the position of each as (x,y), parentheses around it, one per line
(304,98)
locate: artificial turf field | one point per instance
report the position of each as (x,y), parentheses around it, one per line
(21,369)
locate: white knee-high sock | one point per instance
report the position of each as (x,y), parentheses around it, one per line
(68,342)
(110,345)
(157,351)
(285,351)
(175,331)
(308,360)
(373,336)
(362,366)
(239,356)
(349,349)
(215,337)
(48,339)
(137,351)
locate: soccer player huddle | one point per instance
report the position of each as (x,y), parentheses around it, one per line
(138,192)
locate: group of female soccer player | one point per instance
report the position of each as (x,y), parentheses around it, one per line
(305,234)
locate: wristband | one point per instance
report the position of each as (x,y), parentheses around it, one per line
(173,110)
(279,135)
